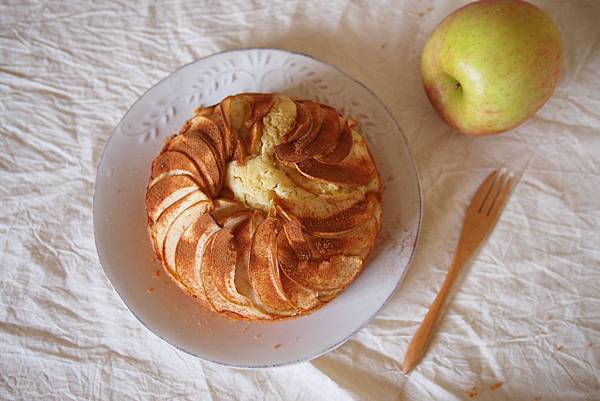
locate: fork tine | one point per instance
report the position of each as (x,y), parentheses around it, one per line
(489,202)
(482,192)
(501,199)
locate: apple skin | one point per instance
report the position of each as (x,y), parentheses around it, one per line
(491,65)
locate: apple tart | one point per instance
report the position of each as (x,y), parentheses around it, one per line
(264,207)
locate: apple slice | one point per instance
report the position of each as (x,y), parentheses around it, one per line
(189,254)
(355,243)
(299,296)
(243,235)
(162,225)
(357,169)
(303,124)
(234,111)
(326,296)
(286,152)
(295,236)
(214,147)
(261,105)
(328,135)
(317,116)
(205,111)
(226,207)
(211,131)
(174,163)
(255,137)
(340,150)
(176,230)
(203,155)
(346,216)
(293,152)
(226,118)
(233,220)
(166,192)
(218,272)
(263,271)
(324,275)
(339,223)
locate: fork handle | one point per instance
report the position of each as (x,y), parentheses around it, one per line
(418,346)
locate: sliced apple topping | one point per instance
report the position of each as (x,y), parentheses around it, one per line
(326,296)
(162,225)
(255,137)
(218,277)
(206,127)
(325,275)
(190,251)
(297,240)
(308,126)
(219,155)
(203,155)
(166,192)
(261,105)
(225,207)
(298,295)
(174,163)
(205,111)
(339,223)
(225,117)
(355,170)
(176,230)
(233,220)
(320,214)
(357,242)
(286,152)
(263,271)
(243,234)
(303,124)
(328,134)
(317,115)
(340,150)
(236,110)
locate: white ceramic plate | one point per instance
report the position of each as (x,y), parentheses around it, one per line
(120,217)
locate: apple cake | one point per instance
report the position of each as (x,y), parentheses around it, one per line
(264,207)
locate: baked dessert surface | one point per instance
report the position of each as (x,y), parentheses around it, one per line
(264,207)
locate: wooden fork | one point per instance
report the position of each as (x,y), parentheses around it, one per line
(481,215)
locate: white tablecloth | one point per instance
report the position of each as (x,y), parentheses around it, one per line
(524,323)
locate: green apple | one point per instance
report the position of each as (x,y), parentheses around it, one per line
(491,65)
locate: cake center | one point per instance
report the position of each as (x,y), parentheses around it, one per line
(262,177)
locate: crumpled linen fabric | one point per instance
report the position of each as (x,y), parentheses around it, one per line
(524,321)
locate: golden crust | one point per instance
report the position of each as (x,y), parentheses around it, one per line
(310,235)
